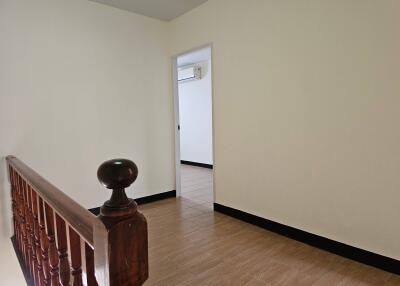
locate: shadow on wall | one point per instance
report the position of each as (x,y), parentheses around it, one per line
(5,201)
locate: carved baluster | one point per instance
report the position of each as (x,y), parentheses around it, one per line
(35,277)
(53,256)
(21,215)
(120,236)
(28,226)
(22,220)
(17,213)
(89,263)
(44,243)
(11,178)
(16,210)
(27,216)
(62,247)
(29,223)
(25,235)
(17,200)
(14,204)
(76,259)
(40,276)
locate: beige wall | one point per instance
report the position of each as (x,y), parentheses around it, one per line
(306,110)
(81,83)
(306,105)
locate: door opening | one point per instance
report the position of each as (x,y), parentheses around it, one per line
(192,75)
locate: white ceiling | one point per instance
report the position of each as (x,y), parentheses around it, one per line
(161,9)
(194,57)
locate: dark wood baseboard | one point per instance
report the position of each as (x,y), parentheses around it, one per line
(145,200)
(21,263)
(208,166)
(351,252)
(156,197)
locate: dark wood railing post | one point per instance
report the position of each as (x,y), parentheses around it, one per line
(120,234)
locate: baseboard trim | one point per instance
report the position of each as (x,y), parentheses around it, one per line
(145,200)
(25,271)
(156,197)
(351,252)
(208,166)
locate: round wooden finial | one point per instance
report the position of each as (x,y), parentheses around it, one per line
(117,173)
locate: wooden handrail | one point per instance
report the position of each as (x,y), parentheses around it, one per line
(77,216)
(57,240)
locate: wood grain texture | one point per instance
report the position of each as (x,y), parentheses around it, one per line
(189,244)
(89,265)
(79,218)
(33,269)
(53,254)
(28,254)
(48,224)
(24,238)
(62,247)
(39,277)
(27,275)
(76,257)
(122,231)
(44,243)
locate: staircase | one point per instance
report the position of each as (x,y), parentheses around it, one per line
(58,242)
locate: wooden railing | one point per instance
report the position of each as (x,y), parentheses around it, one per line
(61,243)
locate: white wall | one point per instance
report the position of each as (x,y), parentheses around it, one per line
(195,116)
(81,83)
(305,100)
(306,111)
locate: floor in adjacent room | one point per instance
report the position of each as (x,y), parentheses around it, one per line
(189,244)
(197,185)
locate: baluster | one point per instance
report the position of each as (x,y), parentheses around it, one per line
(19,211)
(11,178)
(23,221)
(20,216)
(40,275)
(53,257)
(27,216)
(29,222)
(15,195)
(89,262)
(62,247)
(120,236)
(18,201)
(76,259)
(14,204)
(35,277)
(44,243)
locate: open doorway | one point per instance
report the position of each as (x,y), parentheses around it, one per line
(194,126)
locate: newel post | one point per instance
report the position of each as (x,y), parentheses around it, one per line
(120,235)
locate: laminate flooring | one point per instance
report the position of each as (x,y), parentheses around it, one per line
(190,244)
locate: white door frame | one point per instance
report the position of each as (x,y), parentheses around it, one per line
(176,112)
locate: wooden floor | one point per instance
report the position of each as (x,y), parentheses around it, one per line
(189,244)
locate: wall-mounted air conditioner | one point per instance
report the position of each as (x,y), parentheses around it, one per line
(188,73)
